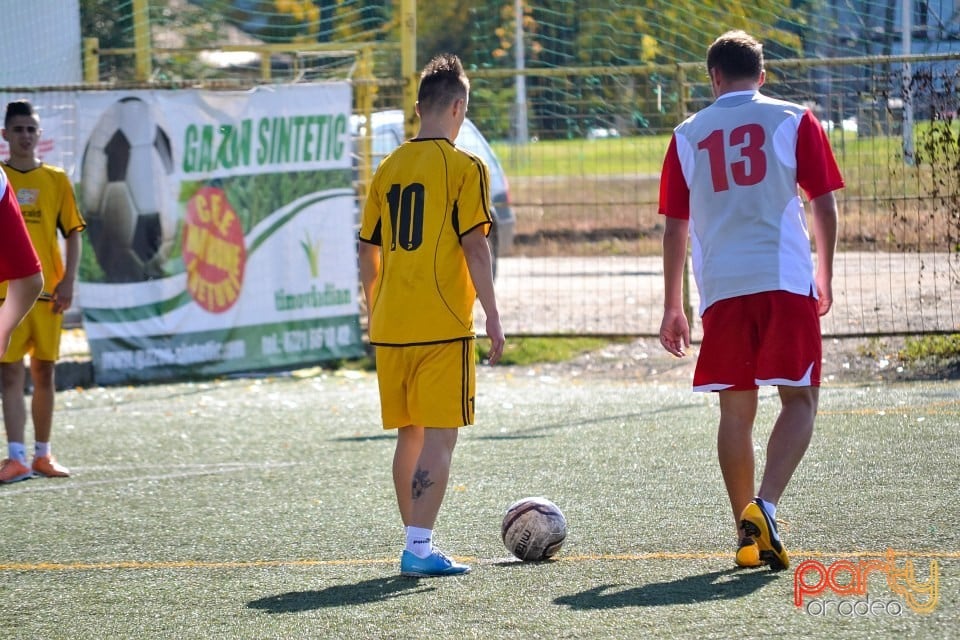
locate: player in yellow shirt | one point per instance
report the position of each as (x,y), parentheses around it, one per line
(424,260)
(48,205)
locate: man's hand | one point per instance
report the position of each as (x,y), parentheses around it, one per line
(497,340)
(63,296)
(675,332)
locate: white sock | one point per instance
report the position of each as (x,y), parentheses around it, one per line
(770,508)
(419,541)
(16,451)
(41,449)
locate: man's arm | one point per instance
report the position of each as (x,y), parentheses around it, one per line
(479,262)
(369,256)
(63,292)
(825,238)
(674,328)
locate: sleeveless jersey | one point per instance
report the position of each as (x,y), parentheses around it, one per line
(423,198)
(732,169)
(47,202)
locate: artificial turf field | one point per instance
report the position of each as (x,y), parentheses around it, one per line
(263,508)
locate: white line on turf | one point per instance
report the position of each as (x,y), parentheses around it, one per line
(64,484)
(356,562)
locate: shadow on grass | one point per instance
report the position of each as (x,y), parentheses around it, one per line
(717,585)
(371,438)
(541,430)
(533,432)
(365,592)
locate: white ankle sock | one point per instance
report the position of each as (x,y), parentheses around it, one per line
(16,451)
(419,541)
(41,449)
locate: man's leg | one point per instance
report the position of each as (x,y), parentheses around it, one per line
(430,477)
(787,444)
(14,467)
(427,487)
(409,446)
(421,469)
(789,439)
(44,390)
(738,410)
(12,376)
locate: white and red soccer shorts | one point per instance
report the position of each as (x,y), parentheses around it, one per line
(769,338)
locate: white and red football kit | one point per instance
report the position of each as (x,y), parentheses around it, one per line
(733,170)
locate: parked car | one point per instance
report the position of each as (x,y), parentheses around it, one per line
(387,133)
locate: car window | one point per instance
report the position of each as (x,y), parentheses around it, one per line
(385,140)
(388,137)
(470,139)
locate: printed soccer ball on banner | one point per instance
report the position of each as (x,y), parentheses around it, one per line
(533,529)
(131,218)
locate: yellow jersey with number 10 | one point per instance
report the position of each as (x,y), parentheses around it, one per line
(423,198)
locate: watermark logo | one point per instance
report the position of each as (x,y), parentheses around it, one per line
(814,582)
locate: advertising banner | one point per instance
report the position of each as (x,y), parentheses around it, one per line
(221,230)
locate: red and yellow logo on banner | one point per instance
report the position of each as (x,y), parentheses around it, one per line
(214,254)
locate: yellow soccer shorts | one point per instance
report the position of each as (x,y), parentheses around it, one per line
(38,335)
(427,385)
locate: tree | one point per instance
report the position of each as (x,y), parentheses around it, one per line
(111,23)
(613,33)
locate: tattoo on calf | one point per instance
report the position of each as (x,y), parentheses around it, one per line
(421,482)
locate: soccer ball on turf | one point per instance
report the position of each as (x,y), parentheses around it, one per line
(131,216)
(533,529)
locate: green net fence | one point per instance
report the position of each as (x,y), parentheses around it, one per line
(554,33)
(577,99)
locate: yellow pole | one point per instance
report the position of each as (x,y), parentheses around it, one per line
(408,63)
(141,38)
(266,66)
(91,60)
(365,91)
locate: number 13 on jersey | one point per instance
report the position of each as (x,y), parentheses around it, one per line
(742,152)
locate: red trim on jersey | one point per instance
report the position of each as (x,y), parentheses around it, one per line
(674,192)
(817,171)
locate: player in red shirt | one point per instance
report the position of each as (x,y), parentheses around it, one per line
(730,183)
(19,265)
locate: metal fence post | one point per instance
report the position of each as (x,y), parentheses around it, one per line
(681,115)
(141,37)
(91,60)
(408,63)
